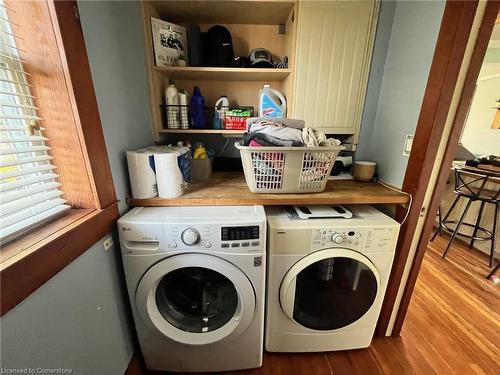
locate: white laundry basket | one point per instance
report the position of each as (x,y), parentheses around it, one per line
(287,169)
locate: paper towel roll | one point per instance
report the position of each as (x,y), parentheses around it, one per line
(168,175)
(141,171)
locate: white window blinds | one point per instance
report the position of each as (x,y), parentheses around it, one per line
(29,187)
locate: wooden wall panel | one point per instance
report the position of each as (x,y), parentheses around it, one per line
(71,43)
(53,99)
(333,55)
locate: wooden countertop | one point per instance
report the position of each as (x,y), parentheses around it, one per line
(225,189)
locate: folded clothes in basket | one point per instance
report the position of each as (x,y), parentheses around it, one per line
(262,131)
(282,136)
(262,139)
(315,138)
(279,122)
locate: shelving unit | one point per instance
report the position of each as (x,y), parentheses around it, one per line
(229,188)
(252,24)
(328,44)
(227,74)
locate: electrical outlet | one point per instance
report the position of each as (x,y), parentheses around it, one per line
(107,243)
(408,145)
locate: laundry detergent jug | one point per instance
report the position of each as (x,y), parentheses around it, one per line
(272,103)
(198,120)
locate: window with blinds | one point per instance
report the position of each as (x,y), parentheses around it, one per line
(29,189)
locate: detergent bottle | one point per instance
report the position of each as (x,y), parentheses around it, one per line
(199,152)
(183,109)
(172,101)
(272,103)
(220,109)
(198,120)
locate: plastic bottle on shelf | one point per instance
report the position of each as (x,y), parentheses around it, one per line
(220,109)
(172,101)
(183,113)
(198,120)
(199,152)
(272,103)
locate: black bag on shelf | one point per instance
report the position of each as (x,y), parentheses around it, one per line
(218,47)
(195,46)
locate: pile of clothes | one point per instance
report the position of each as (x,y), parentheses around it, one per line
(268,166)
(284,132)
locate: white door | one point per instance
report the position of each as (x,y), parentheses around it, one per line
(196,299)
(333,55)
(329,289)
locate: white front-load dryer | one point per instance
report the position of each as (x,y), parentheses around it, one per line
(196,280)
(326,279)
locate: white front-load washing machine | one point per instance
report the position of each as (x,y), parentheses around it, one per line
(326,279)
(196,281)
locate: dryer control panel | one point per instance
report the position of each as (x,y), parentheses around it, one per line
(341,237)
(373,239)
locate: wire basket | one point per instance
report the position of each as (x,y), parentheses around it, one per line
(183,117)
(287,169)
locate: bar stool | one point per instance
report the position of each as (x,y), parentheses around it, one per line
(472,184)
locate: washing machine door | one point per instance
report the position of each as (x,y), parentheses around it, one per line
(196,299)
(329,289)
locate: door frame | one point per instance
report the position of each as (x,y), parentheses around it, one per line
(455,32)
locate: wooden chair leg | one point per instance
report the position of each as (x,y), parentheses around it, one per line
(493,236)
(493,271)
(445,217)
(440,216)
(439,228)
(476,227)
(457,228)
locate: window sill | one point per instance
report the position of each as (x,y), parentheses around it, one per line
(29,262)
(35,236)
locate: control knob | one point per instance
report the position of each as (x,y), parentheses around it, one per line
(190,237)
(337,238)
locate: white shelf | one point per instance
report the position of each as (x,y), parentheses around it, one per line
(255,12)
(227,74)
(202,131)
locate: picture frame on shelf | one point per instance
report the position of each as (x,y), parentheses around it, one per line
(170,43)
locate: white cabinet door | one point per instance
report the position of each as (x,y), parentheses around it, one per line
(333,54)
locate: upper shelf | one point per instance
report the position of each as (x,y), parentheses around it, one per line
(254,12)
(202,131)
(227,74)
(230,189)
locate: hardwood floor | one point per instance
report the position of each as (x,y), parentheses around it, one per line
(452,327)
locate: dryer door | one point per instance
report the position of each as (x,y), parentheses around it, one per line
(196,299)
(329,289)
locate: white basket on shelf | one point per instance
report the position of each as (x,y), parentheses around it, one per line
(287,169)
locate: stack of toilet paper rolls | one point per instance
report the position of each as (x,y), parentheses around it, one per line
(155,171)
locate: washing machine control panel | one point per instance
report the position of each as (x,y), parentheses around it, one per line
(190,237)
(331,237)
(212,237)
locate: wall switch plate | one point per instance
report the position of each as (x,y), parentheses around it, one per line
(107,243)
(408,144)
